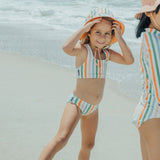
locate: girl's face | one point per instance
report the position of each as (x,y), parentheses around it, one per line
(101,34)
(155,19)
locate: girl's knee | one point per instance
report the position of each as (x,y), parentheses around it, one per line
(88,146)
(62,138)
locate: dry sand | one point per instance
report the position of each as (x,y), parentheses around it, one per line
(33,94)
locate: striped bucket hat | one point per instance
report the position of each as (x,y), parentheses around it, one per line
(147,6)
(103,12)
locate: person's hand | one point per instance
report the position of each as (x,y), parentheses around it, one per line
(117,30)
(88,26)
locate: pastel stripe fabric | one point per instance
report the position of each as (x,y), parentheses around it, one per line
(138,16)
(85,107)
(149,105)
(99,12)
(92,67)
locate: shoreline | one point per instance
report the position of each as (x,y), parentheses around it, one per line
(45,43)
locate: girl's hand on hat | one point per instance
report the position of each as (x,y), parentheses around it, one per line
(117,30)
(88,26)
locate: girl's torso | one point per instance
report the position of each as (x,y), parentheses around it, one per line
(150,65)
(149,104)
(91,73)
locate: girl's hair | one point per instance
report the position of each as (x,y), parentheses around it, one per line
(86,39)
(144,23)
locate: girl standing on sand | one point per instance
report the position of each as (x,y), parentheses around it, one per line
(99,32)
(147,113)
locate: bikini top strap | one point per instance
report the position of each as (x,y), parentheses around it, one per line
(90,54)
(106,52)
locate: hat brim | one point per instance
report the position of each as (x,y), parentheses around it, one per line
(147,8)
(114,40)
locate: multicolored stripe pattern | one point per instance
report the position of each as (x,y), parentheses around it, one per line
(85,107)
(99,12)
(138,16)
(149,105)
(93,68)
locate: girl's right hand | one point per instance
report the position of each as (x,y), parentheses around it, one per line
(88,26)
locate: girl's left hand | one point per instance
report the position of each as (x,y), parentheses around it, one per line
(117,30)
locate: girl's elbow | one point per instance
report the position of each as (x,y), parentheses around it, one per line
(64,47)
(66,50)
(131,61)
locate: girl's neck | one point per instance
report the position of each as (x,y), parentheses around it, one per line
(153,27)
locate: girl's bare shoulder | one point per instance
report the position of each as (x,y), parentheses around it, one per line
(82,49)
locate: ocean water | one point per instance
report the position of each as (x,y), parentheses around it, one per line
(35,25)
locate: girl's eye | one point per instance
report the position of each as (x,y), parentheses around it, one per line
(98,32)
(107,33)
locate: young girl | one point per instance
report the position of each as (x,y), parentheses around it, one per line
(100,31)
(147,113)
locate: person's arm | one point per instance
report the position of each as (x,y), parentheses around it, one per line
(70,46)
(126,57)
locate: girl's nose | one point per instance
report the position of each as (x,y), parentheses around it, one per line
(101,36)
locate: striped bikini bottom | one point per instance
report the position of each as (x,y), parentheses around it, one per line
(86,108)
(146,109)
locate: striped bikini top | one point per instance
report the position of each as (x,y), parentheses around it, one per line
(92,67)
(150,61)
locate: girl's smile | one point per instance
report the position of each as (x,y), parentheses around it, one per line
(101,43)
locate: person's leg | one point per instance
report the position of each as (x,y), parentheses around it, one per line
(150,130)
(69,120)
(88,129)
(144,149)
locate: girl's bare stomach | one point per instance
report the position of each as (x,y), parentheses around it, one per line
(90,90)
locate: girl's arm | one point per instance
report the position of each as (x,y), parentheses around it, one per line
(126,57)
(70,46)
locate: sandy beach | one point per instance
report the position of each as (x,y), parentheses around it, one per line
(33,94)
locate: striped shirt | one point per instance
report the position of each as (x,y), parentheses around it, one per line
(149,105)
(92,67)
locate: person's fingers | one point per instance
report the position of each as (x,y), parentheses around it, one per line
(116,23)
(96,21)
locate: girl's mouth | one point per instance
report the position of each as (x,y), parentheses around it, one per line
(101,43)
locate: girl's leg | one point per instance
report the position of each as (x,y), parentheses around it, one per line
(150,131)
(144,149)
(68,122)
(88,129)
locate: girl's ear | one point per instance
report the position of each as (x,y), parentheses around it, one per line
(148,14)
